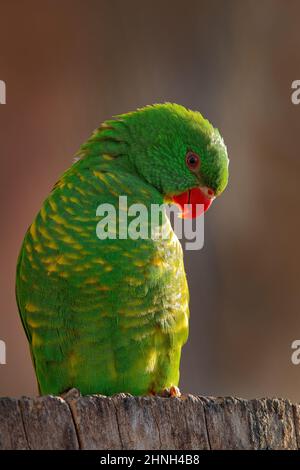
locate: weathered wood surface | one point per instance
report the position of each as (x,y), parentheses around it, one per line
(126,422)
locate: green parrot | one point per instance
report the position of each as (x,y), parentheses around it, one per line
(111,315)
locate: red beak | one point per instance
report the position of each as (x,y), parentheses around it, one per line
(194,202)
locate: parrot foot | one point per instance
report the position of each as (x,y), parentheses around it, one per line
(173,391)
(170,392)
(71,394)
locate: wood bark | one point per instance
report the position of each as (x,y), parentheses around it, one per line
(127,422)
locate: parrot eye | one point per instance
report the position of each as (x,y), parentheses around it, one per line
(192,160)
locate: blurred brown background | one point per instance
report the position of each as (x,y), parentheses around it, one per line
(69,64)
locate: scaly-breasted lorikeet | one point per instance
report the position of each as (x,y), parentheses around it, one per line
(111,315)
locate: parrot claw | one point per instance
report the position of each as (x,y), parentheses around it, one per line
(71,394)
(170,392)
(174,391)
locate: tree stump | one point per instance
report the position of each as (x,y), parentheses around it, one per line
(150,423)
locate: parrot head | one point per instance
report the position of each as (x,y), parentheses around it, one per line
(180,153)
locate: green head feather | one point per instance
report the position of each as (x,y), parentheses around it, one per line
(159,138)
(154,141)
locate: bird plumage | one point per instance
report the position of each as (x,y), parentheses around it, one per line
(108,316)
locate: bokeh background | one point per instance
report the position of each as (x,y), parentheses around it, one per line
(70,64)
